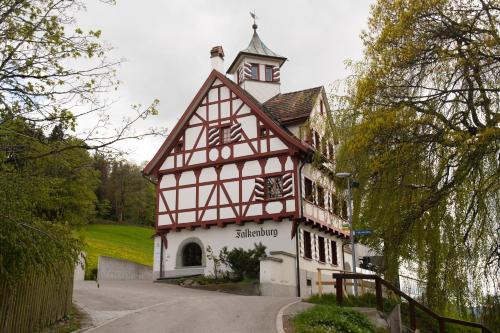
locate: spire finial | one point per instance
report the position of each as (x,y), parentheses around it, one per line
(254,25)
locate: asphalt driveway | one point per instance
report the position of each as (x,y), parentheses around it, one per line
(142,306)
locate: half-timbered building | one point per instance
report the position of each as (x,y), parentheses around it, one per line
(237,170)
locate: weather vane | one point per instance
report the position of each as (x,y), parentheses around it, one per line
(254,26)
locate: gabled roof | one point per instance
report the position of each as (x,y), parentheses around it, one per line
(153,165)
(256,48)
(293,106)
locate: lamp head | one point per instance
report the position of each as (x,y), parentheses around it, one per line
(343,174)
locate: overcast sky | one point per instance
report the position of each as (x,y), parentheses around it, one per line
(166,47)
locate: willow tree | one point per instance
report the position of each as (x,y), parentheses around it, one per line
(420,129)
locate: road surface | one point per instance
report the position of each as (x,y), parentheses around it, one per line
(142,306)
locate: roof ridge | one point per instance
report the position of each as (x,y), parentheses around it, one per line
(297,91)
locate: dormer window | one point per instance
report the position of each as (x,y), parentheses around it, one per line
(269,73)
(254,70)
(225,135)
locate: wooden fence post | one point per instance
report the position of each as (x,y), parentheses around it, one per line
(442,326)
(339,291)
(320,287)
(378,294)
(413,316)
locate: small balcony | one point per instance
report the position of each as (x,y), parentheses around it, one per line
(323,216)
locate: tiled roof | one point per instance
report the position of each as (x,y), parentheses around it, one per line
(292,106)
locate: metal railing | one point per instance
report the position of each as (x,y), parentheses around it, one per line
(412,304)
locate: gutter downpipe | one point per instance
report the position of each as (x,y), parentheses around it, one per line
(161,238)
(297,230)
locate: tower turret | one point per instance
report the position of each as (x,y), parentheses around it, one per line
(257,69)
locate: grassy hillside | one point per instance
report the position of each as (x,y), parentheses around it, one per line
(120,241)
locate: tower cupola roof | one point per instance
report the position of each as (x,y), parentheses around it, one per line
(256,48)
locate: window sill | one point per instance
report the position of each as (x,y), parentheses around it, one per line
(306,258)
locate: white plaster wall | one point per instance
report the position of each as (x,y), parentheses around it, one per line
(217,238)
(261,90)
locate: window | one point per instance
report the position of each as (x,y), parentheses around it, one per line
(308,189)
(321,196)
(262,132)
(269,73)
(344,209)
(307,245)
(323,147)
(225,134)
(334,253)
(334,208)
(321,249)
(316,140)
(274,187)
(191,255)
(331,150)
(255,71)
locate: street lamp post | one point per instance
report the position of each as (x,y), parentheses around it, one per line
(347,176)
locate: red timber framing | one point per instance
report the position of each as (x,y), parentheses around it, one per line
(152,168)
(219,193)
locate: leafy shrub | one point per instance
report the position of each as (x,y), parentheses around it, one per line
(332,319)
(367,300)
(244,263)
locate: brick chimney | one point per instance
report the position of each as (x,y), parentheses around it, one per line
(217,58)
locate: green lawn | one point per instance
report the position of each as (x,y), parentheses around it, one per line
(120,241)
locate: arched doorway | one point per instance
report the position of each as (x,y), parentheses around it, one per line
(191,255)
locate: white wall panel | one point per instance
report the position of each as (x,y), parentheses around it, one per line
(248,186)
(170,198)
(277,144)
(229,171)
(227,213)
(233,189)
(255,209)
(164,219)
(161,204)
(198,157)
(187,217)
(249,125)
(167,181)
(213,112)
(210,215)
(204,192)
(187,198)
(208,175)
(187,177)
(273,165)
(251,168)
(242,149)
(225,110)
(168,164)
(213,95)
(191,136)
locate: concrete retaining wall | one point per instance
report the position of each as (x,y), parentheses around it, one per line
(119,269)
(277,275)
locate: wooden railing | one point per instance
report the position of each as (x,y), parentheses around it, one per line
(412,304)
